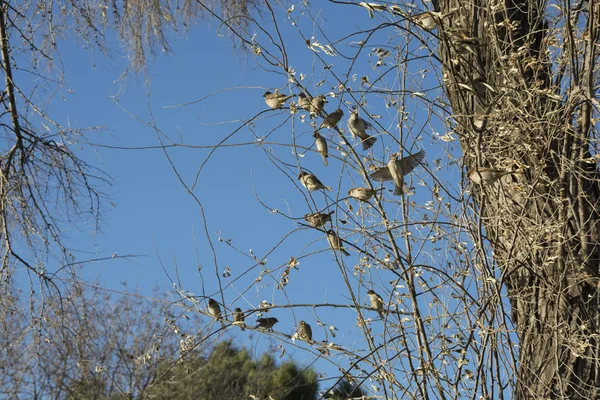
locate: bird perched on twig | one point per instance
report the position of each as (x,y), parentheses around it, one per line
(215,310)
(239,318)
(317,220)
(376,303)
(304,102)
(336,242)
(396,169)
(358,127)
(311,182)
(486,176)
(321,147)
(332,119)
(426,20)
(362,194)
(266,323)
(304,331)
(275,100)
(317,105)
(463,42)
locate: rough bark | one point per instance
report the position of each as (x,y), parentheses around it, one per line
(520,109)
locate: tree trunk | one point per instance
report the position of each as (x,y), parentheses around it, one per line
(521,109)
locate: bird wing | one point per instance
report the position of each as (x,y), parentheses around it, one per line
(407,164)
(381,175)
(317,181)
(366,123)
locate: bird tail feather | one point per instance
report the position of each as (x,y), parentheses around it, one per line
(368,142)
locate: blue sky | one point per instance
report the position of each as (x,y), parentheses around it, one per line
(154,217)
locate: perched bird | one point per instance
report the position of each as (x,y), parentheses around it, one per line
(426,20)
(238,318)
(317,105)
(321,147)
(336,242)
(317,220)
(275,100)
(362,194)
(304,331)
(215,310)
(311,182)
(486,176)
(358,127)
(376,303)
(304,102)
(332,119)
(463,42)
(266,323)
(396,169)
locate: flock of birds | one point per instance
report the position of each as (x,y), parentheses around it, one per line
(304,330)
(395,170)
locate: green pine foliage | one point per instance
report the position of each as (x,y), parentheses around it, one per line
(229,372)
(346,391)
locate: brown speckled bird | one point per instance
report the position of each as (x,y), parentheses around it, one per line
(304,331)
(317,105)
(321,147)
(486,176)
(317,220)
(362,194)
(426,20)
(239,318)
(332,119)
(311,182)
(396,169)
(358,128)
(336,242)
(266,323)
(304,102)
(463,42)
(215,310)
(275,100)
(376,302)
